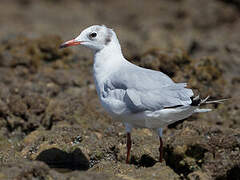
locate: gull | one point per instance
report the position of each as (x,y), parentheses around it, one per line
(135,96)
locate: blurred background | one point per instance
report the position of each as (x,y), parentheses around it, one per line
(50,117)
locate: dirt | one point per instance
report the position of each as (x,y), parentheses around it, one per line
(52,125)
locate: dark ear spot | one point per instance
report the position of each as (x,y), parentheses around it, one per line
(108,37)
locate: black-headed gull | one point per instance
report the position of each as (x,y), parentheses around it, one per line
(136,96)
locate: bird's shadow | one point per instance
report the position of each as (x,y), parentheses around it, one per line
(145,161)
(58,159)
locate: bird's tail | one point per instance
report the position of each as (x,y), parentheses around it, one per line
(197,101)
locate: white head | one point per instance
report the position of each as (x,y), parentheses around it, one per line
(94,37)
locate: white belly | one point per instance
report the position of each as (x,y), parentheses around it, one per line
(146,119)
(159,118)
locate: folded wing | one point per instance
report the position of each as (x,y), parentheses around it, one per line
(144,89)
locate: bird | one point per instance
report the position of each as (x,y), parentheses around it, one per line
(136,96)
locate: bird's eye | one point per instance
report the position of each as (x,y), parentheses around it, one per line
(93,35)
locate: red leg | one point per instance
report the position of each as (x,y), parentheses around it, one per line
(129,145)
(160,149)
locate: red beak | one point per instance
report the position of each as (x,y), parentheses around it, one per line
(72,42)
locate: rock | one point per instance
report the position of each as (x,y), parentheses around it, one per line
(32,53)
(58,149)
(9,151)
(125,171)
(62,110)
(17,106)
(35,170)
(159,171)
(49,110)
(203,148)
(27,170)
(201,74)
(25,112)
(28,100)
(198,175)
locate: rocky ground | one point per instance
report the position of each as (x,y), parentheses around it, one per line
(51,123)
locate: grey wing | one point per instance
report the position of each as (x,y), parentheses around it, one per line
(135,77)
(157,99)
(144,89)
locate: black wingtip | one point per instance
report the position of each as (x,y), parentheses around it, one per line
(195,101)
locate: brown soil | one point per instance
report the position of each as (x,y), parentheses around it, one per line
(51,123)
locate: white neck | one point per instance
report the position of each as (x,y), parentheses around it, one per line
(106,61)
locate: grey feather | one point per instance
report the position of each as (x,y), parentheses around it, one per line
(156,92)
